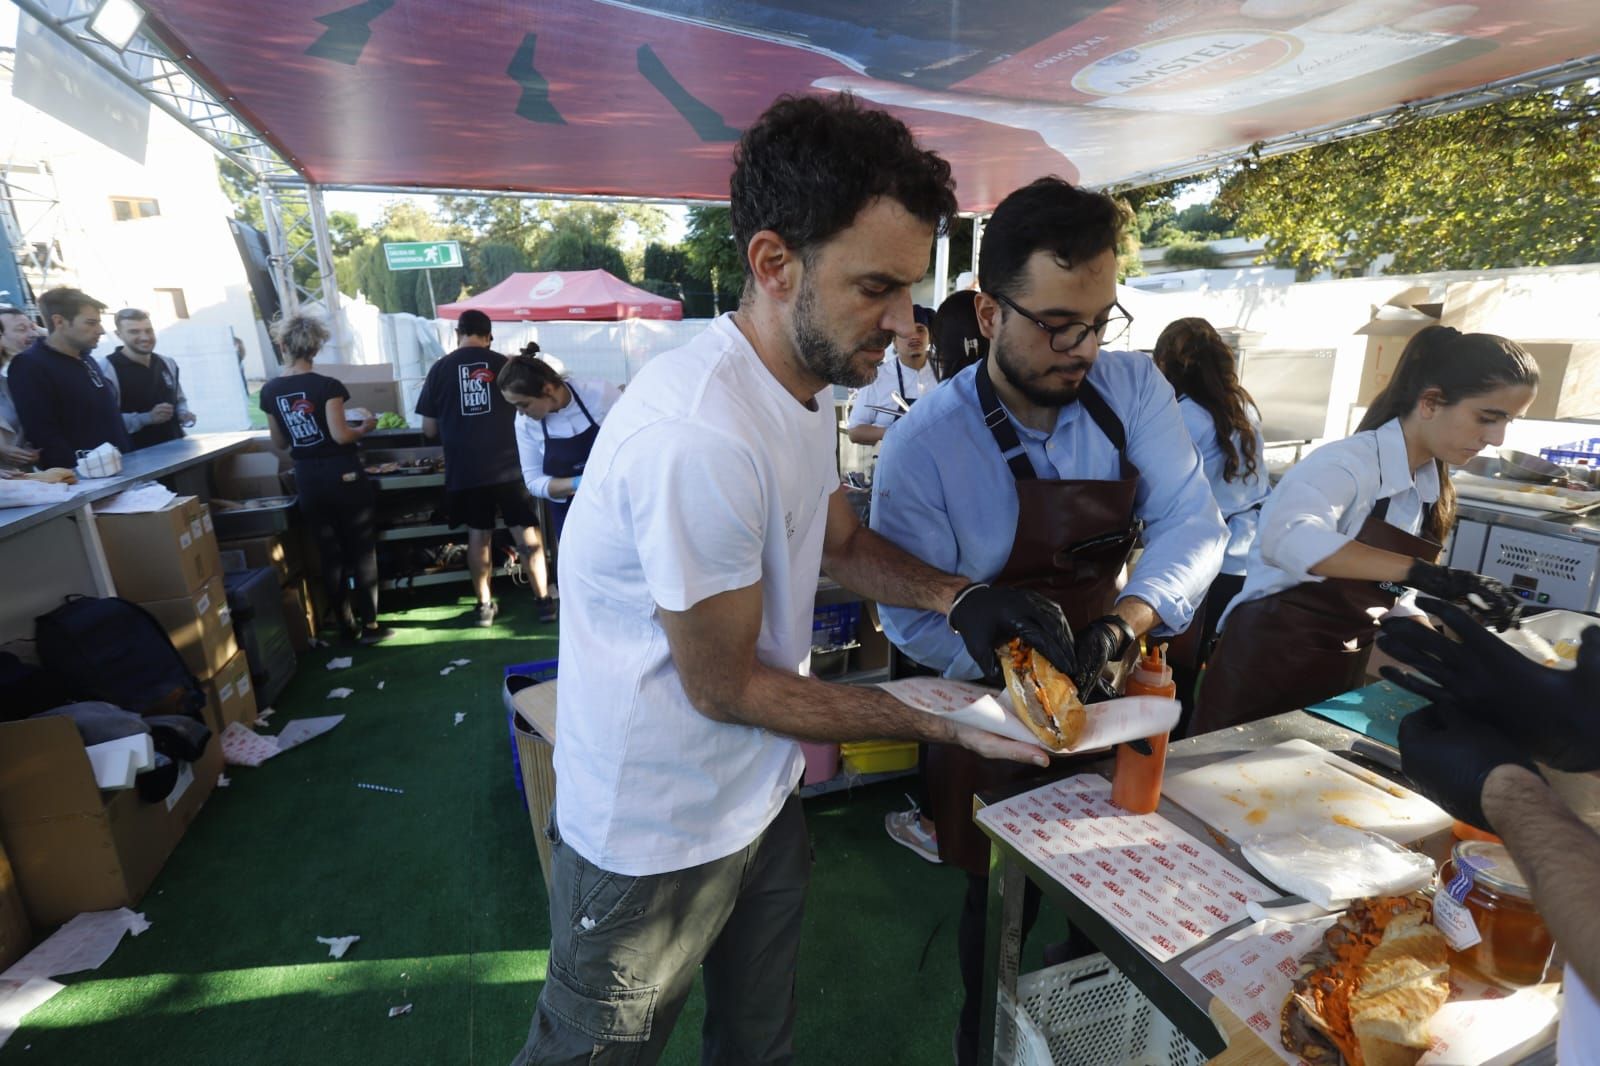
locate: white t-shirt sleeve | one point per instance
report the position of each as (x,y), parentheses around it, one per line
(698,512)
(530,455)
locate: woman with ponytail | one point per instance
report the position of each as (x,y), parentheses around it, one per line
(559,421)
(1359,521)
(1226,428)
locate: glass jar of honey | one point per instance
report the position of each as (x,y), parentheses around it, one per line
(1485,911)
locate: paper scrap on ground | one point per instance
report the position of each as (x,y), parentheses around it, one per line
(1160,886)
(263,715)
(459,662)
(461,716)
(84,943)
(301,730)
(223,781)
(17,998)
(242,746)
(337,945)
(404,1008)
(380,686)
(1253,970)
(341,663)
(340,693)
(446,671)
(143,497)
(315,643)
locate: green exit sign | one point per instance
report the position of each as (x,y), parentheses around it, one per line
(422,255)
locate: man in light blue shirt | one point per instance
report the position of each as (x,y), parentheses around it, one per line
(1035,469)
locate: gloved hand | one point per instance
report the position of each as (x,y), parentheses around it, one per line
(1448,756)
(1552,715)
(1100,642)
(1484,596)
(988,617)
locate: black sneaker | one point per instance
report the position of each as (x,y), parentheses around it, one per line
(374,635)
(486,613)
(548,610)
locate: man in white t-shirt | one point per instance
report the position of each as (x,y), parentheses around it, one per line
(902,380)
(689,570)
(1492,712)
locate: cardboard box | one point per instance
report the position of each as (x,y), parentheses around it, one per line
(1569,379)
(299,616)
(1470,306)
(200,626)
(73,847)
(371,385)
(163,554)
(249,475)
(16,928)
(281,551)
(229,696)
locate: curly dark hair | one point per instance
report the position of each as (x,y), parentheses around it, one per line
(1049,214)
(810,164)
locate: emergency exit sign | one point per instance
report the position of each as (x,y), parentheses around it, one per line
(422,255)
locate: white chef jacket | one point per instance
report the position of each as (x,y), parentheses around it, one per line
(1578,1039)
(1320,504)
(597,396)
(882,391)
(707,476)
(1239,500)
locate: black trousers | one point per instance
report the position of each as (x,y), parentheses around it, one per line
(339,501)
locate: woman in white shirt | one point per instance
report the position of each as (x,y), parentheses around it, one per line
(556,429)
(1226,428)
(1357,520)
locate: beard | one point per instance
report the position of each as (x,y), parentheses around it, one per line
(824,356)
(1030,382)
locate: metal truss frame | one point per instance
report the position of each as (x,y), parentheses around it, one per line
(297,230)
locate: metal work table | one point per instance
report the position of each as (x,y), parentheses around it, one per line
(1177,995)
(53,551)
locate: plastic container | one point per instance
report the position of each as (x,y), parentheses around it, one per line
(1582,452)
(1086,1013)
(1486,912)
(822,762)
(834,625)
(878,756)
(1136,779)
(544,670)
(532,756)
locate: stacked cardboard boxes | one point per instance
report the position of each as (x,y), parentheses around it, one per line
(168,562)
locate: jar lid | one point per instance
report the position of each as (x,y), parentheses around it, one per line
(1491,864)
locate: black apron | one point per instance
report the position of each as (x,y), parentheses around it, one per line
(1072,541)
(141,388)
(901,381)
(1310,642)
(566,457)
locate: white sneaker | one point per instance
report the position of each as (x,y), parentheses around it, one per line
(905,827)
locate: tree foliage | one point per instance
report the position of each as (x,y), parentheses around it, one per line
(1508,184)
(489,262)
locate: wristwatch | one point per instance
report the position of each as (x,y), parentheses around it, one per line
(1129,637)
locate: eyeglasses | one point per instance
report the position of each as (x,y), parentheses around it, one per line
(1063,339)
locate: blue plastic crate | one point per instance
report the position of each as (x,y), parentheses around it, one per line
(1579,451)
(835,625)
(539,671)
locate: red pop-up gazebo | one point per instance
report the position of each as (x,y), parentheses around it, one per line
(593,295)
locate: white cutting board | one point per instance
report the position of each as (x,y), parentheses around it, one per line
(1297,786)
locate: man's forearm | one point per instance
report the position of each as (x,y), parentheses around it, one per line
(866,434)
(872,566)
(807,709)
(1559,855)
(1138,614)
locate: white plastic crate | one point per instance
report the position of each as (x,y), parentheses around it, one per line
(1085,1013)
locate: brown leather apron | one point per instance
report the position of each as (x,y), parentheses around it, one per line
(1072,541)
(1305,644)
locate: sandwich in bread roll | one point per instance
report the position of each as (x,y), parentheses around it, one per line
(1365,995)
(1045,699)
(56,475)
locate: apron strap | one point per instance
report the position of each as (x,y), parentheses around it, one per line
(581,406)
(1000,427)
(1096,407)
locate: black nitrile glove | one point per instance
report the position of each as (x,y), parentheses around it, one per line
(1483,596)
(1552,715)
(988,617)
(1102,641)
(1449,755)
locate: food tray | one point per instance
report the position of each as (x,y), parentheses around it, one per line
(1084,1012)
(878,756)
(1524,494)
(253,518)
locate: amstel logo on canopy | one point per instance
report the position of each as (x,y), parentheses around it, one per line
(1193,62)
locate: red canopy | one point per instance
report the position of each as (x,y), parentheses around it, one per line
(565,294)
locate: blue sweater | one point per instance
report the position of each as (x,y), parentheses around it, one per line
(66,405)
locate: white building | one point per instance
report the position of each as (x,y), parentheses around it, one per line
(152,235)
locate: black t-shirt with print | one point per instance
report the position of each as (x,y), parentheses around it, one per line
(299,402)
(476,425)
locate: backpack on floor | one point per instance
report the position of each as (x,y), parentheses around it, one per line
(112,649)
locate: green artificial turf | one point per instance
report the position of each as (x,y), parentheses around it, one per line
(443,886)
